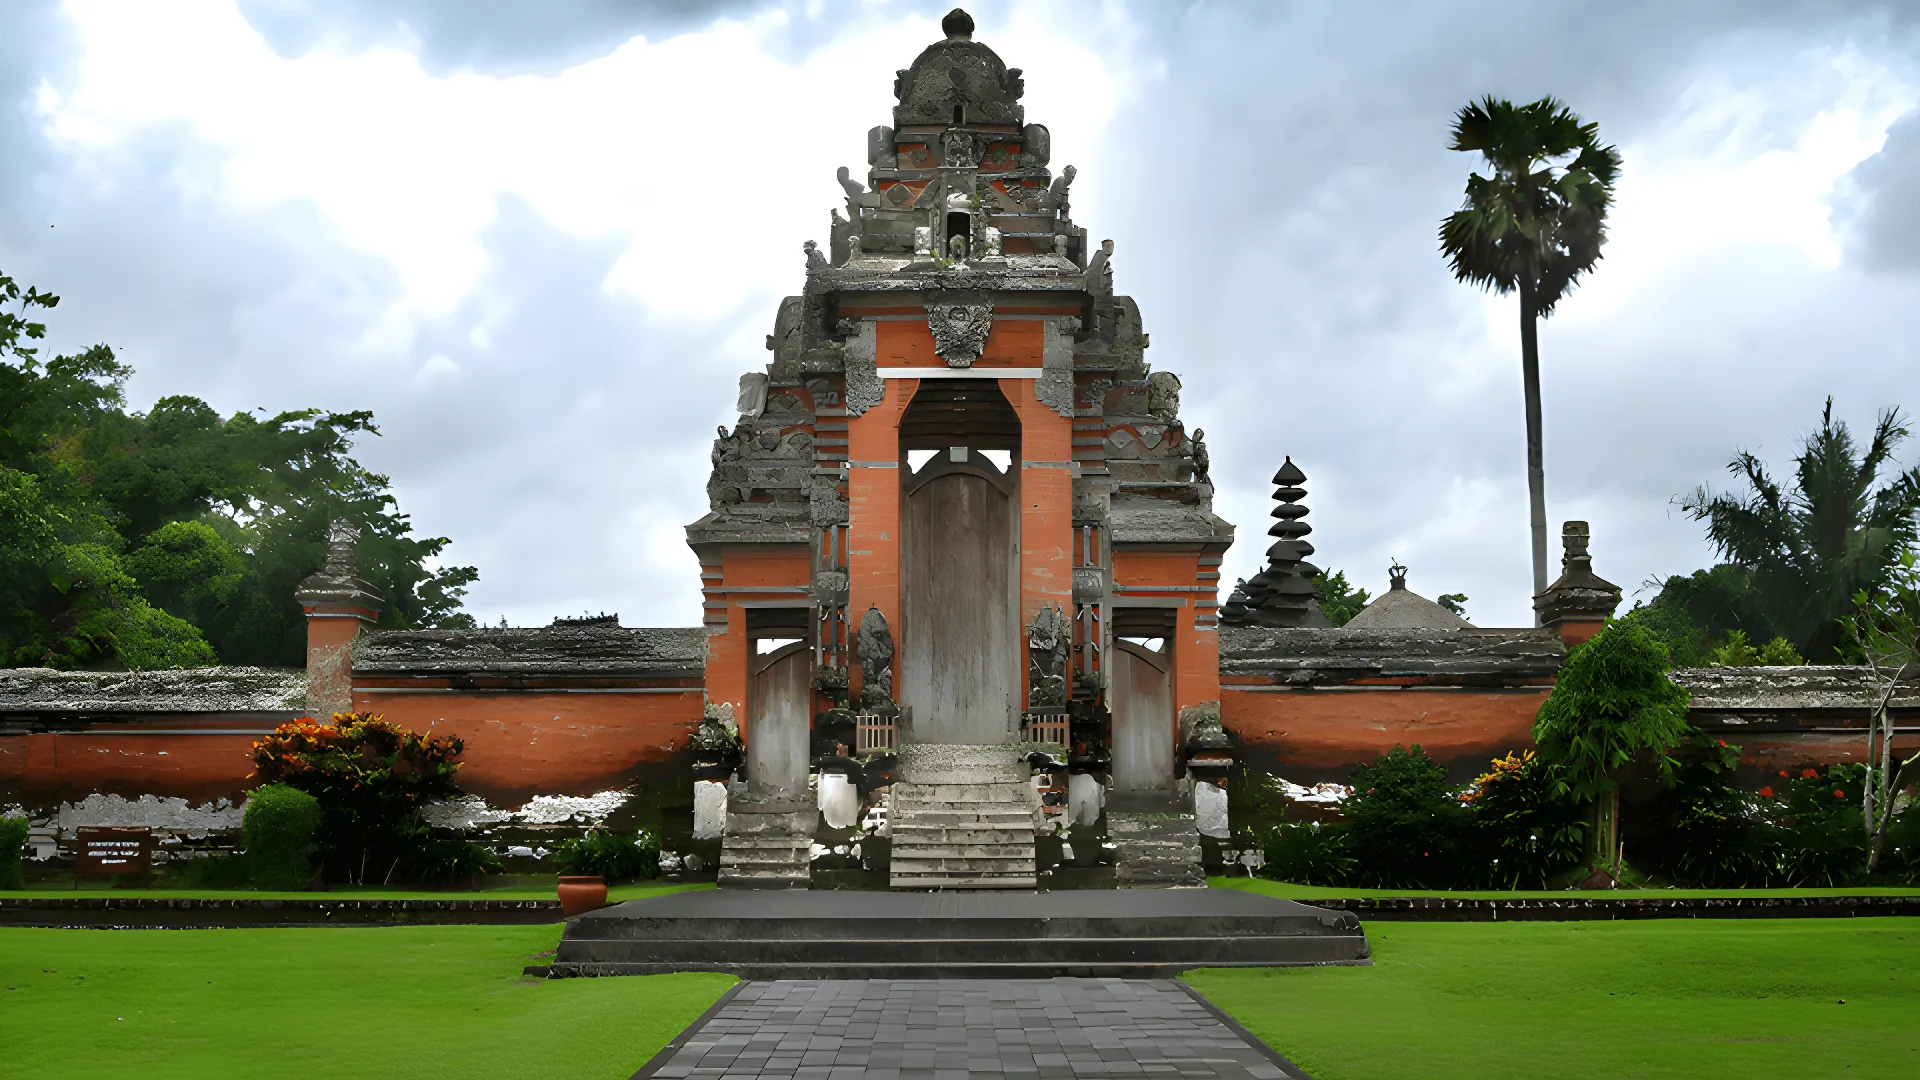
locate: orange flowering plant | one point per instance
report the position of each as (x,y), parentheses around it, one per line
(371,777)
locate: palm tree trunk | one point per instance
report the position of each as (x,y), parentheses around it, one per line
(1536,451)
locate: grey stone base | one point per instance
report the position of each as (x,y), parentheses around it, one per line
(768,844)
(1155,849)
(962,817)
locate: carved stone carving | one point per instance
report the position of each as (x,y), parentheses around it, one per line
(960,328)
(957,150)
(881,153)
(1163,396)
(825,505)
(830,588)
(1202,461)
(1048,638)
(874,647)
(1036,146)
(1055,386)
(865,388)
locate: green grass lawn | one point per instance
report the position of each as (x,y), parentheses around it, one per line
(1669,999)
(1287,891)
(513,892)
(415,1002)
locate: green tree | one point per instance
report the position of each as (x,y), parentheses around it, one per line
(1338,600)
(1885,630)
(176,537)
(1811,549)
(1534,224)
(1612,702)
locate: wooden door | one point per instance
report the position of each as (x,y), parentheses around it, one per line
(961,651)
(780,720)
(1140,693)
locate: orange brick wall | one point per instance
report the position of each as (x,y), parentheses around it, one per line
(550,743)
(1196,652)
(1314,735)
(784,568)
(42,770)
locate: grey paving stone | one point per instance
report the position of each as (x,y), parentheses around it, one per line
(1011,1029)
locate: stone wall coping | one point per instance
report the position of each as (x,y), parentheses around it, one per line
(647,652)
(185,690)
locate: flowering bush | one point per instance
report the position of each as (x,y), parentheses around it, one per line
(1525,827)
(1405,827)
(371,777)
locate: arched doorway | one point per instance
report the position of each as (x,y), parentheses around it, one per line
(780,718)
(961,654)
(1140,694)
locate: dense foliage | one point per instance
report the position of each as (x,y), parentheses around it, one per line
(176,537)
(13,841)
(371,778)
(1526,830)
(611,855)
(278,831)
(1805,551)
(1339,601)
(1405,827)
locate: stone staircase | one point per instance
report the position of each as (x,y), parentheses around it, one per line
(768,843)
(962,817)
(1154,844)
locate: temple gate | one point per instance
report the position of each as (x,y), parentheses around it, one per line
(960,470)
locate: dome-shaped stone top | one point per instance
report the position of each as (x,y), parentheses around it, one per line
(958,81)
(1403,609)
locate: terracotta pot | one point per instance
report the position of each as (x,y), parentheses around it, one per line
(581,893)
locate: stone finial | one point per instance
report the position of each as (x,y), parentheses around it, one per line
(1579,602)
(337,583)
(958,25)
(1396,576)
(1282,595)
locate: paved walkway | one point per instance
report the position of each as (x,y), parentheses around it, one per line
(960,1028)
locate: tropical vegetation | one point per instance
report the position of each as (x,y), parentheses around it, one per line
(174,536)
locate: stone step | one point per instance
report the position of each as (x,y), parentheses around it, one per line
(958,834)
(917,794)
(963,818)
(954,881)
(792,824)
(926,850)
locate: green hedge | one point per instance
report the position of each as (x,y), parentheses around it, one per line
(13,840)
(278,830)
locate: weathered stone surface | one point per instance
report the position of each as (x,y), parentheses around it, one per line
(1305,656)
(192,690)
(1140,519)
(1779,689)
(585,651)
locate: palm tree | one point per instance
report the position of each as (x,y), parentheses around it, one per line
(1534,225)
(1811,549)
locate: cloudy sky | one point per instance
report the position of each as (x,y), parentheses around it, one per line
(541,241)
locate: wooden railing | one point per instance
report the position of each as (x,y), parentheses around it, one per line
(876,731)
(1045,726)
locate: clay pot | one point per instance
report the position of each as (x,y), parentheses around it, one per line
(581,893)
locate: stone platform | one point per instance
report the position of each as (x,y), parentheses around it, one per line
(999,934)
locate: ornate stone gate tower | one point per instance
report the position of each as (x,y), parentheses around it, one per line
(958,503)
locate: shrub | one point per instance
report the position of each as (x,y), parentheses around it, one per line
(371,777)
(611,855)
(1900,859)
(230,870)
(1404,826)
(1307,853)
(1525,828)
(1824,835)
(13,842)
(438,862)
(1710,832)
(278,829)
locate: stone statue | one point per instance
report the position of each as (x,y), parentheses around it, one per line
(1163,396)
(874,647)
(343,536)
(1202,461)
(1056,197)
(1048,640)
(815,260)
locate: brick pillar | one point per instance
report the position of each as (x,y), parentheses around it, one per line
(1578,603)
(338,605)
(873,511)
(1046,506)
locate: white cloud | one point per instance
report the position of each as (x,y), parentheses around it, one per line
(709,155)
